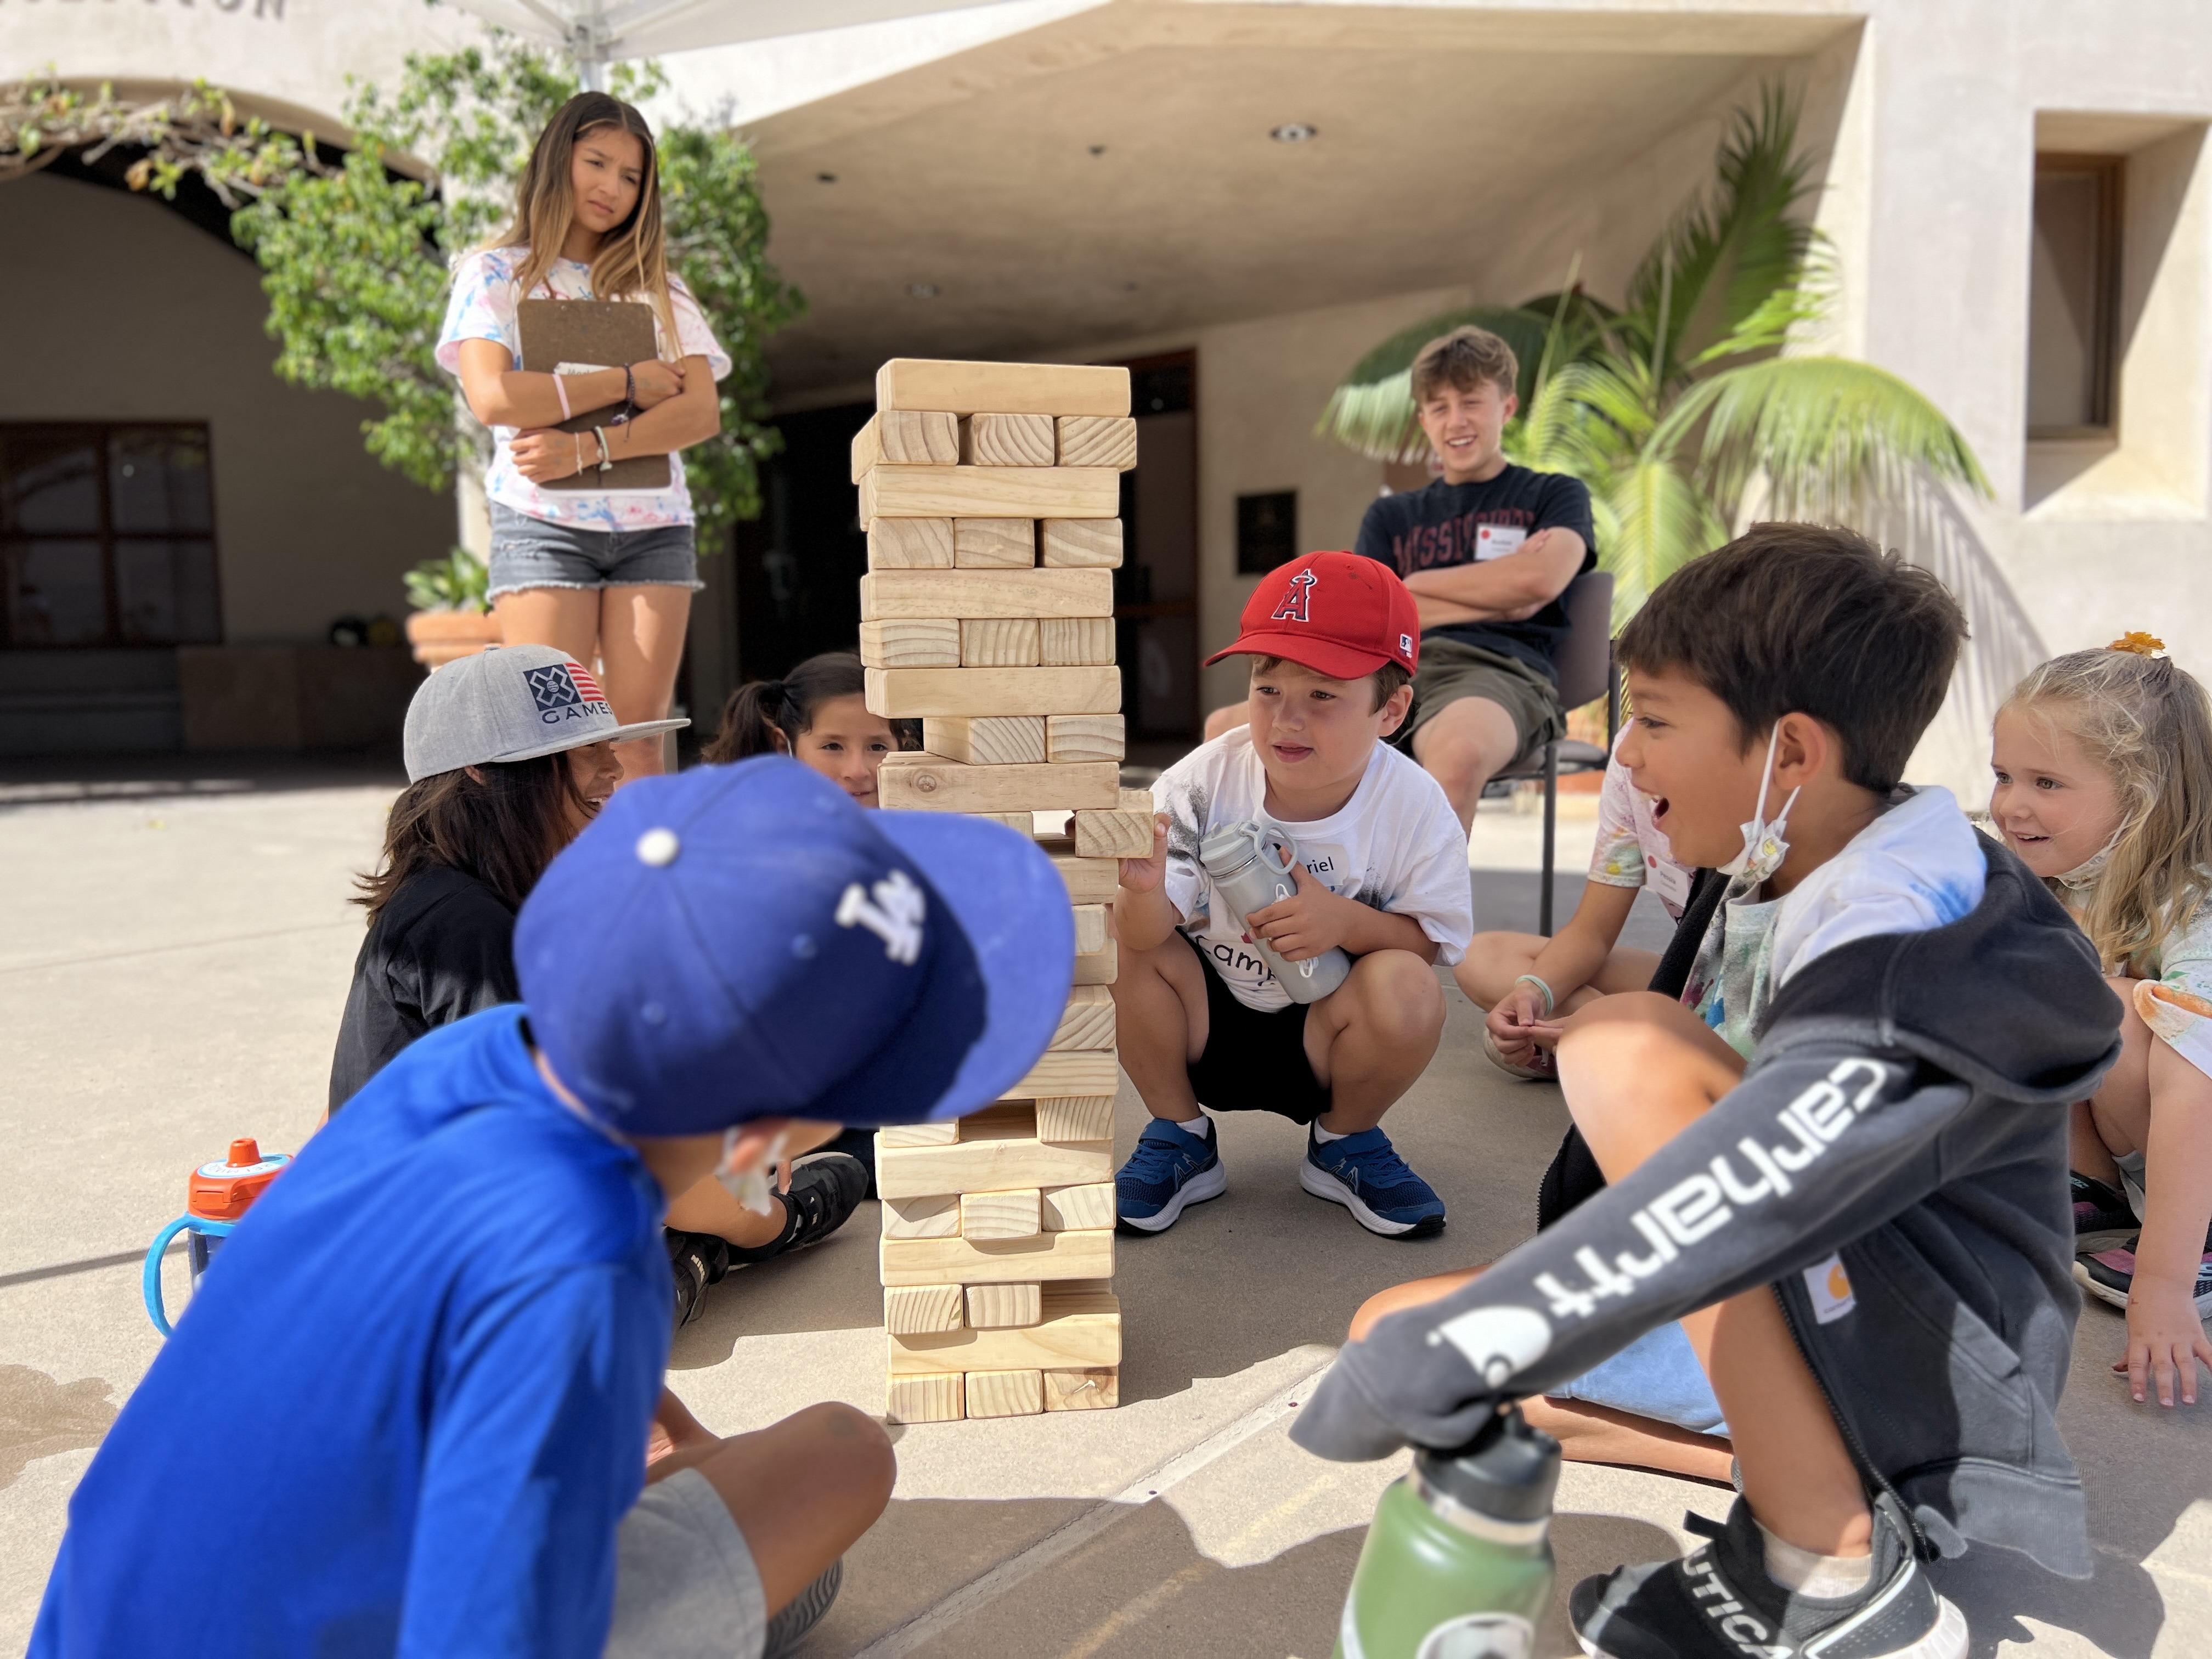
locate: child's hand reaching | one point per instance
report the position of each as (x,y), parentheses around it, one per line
(1310,921)
(1146,875)
(1514,1022)
(2165,1337)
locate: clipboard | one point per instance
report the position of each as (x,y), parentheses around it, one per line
(610,332)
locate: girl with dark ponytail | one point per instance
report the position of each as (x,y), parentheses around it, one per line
(817,714)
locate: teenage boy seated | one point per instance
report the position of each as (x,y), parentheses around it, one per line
(1381,874)
(1486,692)
(410,1410)
(1842,1165)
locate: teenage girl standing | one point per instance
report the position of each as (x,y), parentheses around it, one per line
(604,576)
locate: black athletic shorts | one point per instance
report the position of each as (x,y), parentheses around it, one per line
(1255,1061)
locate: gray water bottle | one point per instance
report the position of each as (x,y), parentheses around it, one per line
(1250,865)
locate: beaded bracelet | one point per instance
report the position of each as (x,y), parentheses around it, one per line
(1530,979)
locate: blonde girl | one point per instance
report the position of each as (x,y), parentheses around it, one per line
(2104,787)
(607,577)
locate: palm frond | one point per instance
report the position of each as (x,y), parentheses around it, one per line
(1372,410)
(1662,520)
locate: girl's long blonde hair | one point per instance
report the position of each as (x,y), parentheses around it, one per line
(632,261)
(2148,724)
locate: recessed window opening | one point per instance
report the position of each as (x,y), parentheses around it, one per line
(2073,304)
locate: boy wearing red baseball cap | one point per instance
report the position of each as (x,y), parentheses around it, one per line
(1381,874)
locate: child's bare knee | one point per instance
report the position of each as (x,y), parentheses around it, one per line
(856,1446)
(1399,995)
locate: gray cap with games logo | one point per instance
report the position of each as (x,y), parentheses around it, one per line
(511,703)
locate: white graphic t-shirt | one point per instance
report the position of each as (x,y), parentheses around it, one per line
(1631,848)
(483,309)
(1395,845)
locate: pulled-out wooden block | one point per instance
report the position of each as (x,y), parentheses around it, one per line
(1097,440)
(999,642)
(999,740)
(917,693)
(910,642)
(1085,737)
(1088,1253)
(1068,1072)
(972,593)
(1091,1390)
(914,1309)
(1002,1307)
(1005,1393)
(1075,641)
(1099,969)
(1112,834)
(1090,881)
(989,492)
(926,1397)
(1080,1328)
(1075,544)
(931,783)
(1066,1209)
(1086,1022)
(919,1134)
(1090,929)
(912,437)
(1016,1214)
(1007,1120)
(983,1166)
(1062,1118)
(1009,441)
(1020,388)
(936,1215)
(992,543)
(910,544)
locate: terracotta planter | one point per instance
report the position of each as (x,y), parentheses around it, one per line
(442,636)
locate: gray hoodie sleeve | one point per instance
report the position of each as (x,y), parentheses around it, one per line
(1816,1147)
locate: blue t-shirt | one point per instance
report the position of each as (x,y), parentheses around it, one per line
(408,1407)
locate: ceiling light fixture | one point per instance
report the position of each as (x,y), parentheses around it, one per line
(1294,132)
(922,290)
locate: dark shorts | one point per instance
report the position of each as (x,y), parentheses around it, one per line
(1451,671)
(1255,1061)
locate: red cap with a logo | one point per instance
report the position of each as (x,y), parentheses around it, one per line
(1336,613)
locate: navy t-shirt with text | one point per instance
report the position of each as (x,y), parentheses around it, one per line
(1448,524)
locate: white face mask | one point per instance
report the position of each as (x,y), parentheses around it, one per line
(2084,875)
(754,1188)
(1764,849)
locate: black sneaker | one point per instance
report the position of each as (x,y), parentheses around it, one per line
(825,1189)
(803,1612)
(695,1262)
(2101,1216)
(1717,1601)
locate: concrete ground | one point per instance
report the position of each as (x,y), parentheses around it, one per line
(175,950)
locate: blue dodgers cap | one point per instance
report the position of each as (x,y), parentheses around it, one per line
(743,941)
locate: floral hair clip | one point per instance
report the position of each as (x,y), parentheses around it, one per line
(2142,644)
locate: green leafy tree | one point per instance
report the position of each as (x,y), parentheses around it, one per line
(1680,409)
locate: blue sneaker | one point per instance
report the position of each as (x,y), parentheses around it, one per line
(1171,1168)
(1363,1173)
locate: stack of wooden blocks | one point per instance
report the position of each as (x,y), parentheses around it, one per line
(989,493)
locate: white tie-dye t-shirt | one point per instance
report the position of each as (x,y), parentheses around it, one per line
(1632,849)
(483,309)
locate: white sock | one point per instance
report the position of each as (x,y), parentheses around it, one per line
(1809,1573)
(1322,1137)
(1202,1126)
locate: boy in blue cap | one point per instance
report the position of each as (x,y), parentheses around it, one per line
(408,1411)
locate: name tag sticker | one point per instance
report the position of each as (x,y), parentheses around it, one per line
(1669,880)
(1829,1287)
(1495,541)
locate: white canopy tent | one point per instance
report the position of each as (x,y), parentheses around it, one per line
(596,32)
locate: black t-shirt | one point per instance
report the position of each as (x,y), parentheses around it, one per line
(442,949)
(1443,524)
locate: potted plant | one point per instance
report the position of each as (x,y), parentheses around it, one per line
(452,617)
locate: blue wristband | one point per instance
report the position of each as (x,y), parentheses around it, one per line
(1530,979)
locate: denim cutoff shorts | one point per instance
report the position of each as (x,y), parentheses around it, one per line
(528,552)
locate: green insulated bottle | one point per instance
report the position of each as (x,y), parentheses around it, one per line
(1458,1560)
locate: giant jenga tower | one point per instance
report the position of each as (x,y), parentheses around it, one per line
(989,493)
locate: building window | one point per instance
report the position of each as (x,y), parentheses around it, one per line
(1267,531)
(2073,294)
(107,536)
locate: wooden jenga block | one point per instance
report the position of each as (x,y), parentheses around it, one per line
(989,492)
(1005,1393)
(1096,1389)
(1005,740)
(1020,388)
(1110,834)
(1080,1326)
(1086,1254)
(919,1134)
(915,693)
(1066,1209)
(1099,969)
(1072,544)
(910,642)
(1007,1120)
(1090,881)
(1097,440)
(999,1307)
(1090,929)
(1009,440)
(1087,1023)
(992,543)
(1075,641)
(930,1397)
(930,783)
(999,642)
(1016,1214)
(910,544)
(911,437)
(1059,1071)
(914,1309)
(974,1166)
(936,1216)
(1063,1118)
(976,593)
(1085,737)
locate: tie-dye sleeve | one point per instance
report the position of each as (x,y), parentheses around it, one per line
(1618,859)
(482,309)
(695,338)
(2177,1005)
